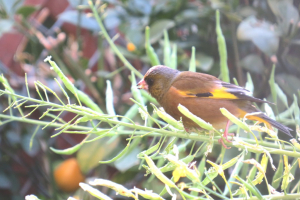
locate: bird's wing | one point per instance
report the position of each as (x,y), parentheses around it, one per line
(201,85)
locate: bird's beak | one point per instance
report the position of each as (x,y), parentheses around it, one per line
(142,85)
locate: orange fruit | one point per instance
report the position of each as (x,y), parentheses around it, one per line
(68,175)
(130,46)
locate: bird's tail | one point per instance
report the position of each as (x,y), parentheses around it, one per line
(267,120)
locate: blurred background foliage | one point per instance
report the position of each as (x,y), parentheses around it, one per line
(258,33)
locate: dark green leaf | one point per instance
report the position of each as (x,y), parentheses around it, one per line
(253,63)
(288,83)
(286,14)
(157,29)
(262,34)
(5,182)
(32,151)
(26,11)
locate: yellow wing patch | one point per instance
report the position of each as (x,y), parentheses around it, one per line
(222,94)
(215,94)
(184,93)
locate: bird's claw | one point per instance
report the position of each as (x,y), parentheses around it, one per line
(223,144)
(221,141)
(229,134)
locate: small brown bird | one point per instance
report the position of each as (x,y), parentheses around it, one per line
(203,95)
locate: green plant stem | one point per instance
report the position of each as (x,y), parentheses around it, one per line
(59,62)
(155,131)
(273,196)
(111,43)
(265,146)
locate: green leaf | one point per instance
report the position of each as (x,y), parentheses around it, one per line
(128,160)
(246,11)
(157,29)
(288,83)
(236,170)
(135,36)
(262,34)
(278,174)
(269,111)
(67,151)
(13,137)
(204,62)
(25,142)
(253,63)
(286,14)
(142,7)
(249,84)
(191,14)
(26,11)
(272,84)
(281,95)
(250,187)
(5,181)
(90,154)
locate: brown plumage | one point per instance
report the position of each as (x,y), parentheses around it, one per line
(203,95)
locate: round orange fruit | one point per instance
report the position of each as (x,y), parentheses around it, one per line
(68,175)
(130,47)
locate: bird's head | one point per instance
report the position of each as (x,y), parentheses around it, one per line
(158,80)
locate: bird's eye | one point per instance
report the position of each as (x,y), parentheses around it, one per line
(149,81)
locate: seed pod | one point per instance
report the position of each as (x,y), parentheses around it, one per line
(231,162)
(171,166)
(222,49)
(260,175)
(256,164)
(194,118)
(166,117)
(149,151)
(295,143)
(96,193)
(278,174)
(149,49)
(120,189)
(158,173)
(234,119)
(147,194)
(67,151)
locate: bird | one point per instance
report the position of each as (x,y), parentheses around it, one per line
(203,95)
